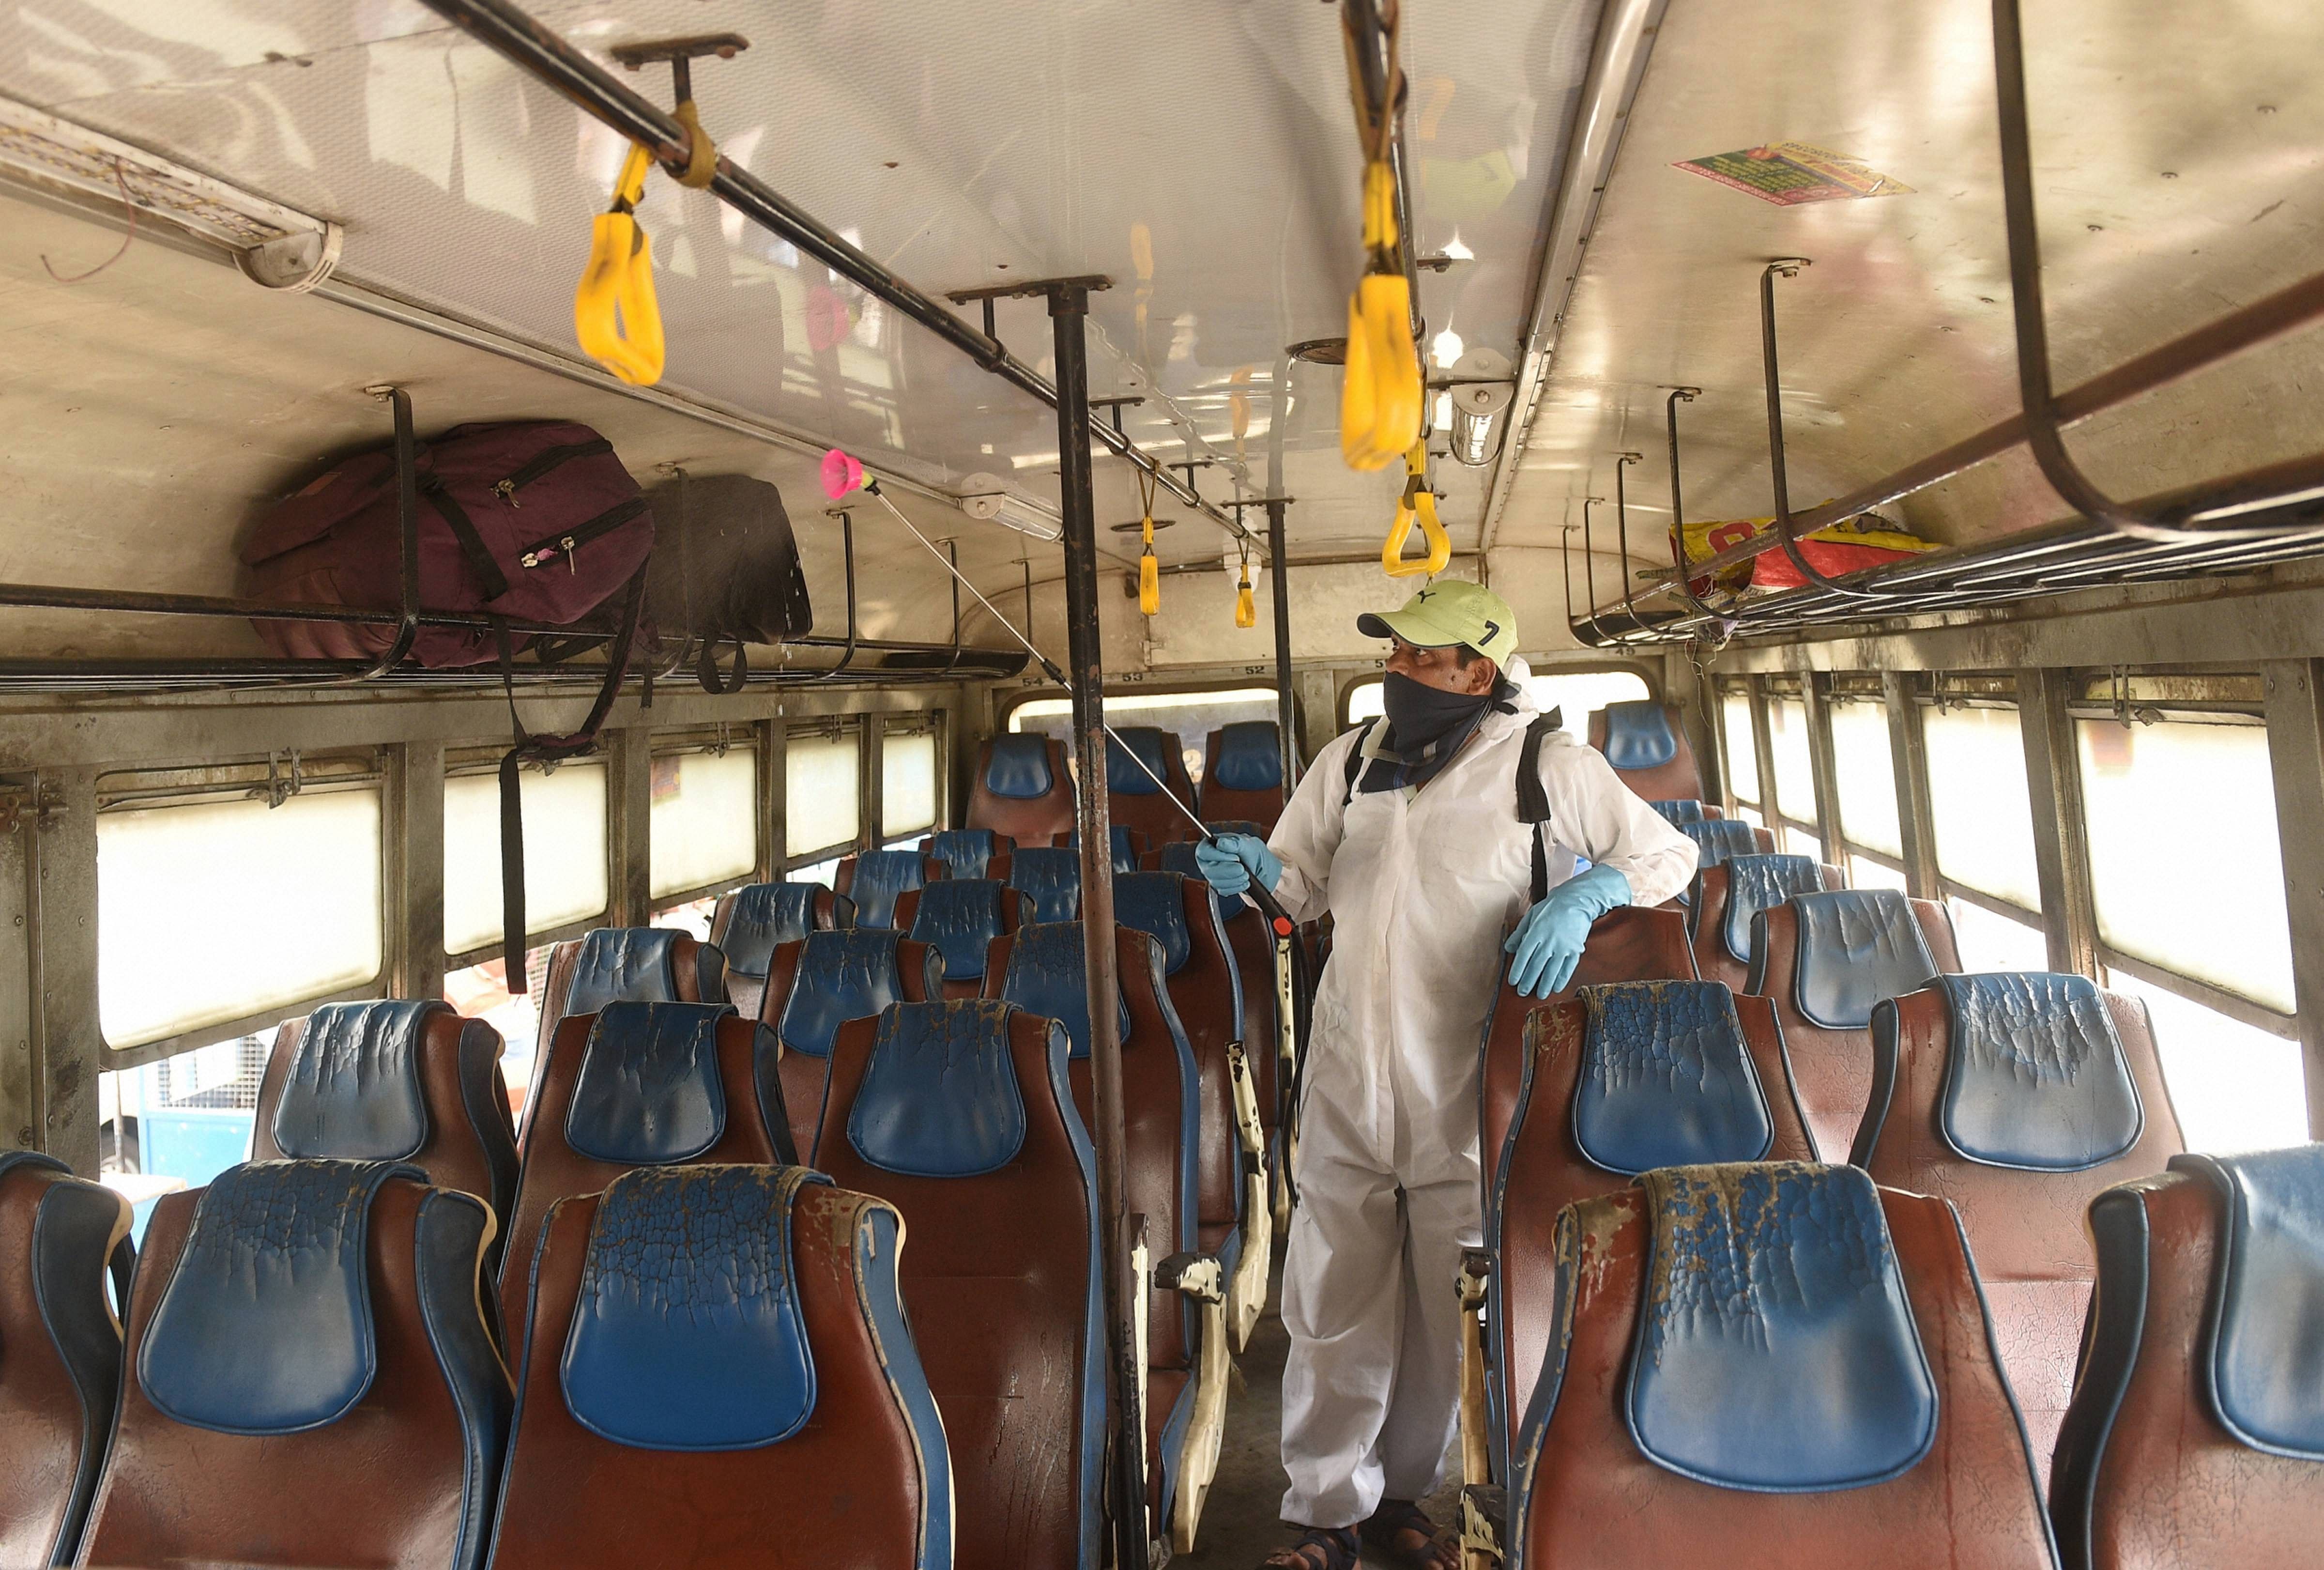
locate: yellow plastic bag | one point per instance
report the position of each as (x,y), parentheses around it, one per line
(616,317)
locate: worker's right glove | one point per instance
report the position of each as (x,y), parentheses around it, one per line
(1548,944)
(1228,861)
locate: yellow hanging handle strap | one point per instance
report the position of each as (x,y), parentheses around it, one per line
(615,316)
(1150,569)
(1380,396)
(1418,503)
(1245,605)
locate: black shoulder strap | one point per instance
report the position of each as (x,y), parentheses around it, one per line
(1356,762)
(1533,801)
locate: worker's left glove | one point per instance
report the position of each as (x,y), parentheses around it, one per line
(1548,944)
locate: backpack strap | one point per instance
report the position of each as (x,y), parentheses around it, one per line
(1533,801)
(1356,761)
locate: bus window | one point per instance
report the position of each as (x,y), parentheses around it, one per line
(2234,1086)
(1988,940)
(908,780)
(1191,716)
(1866,773)
(703,823)
(1983,819)
(1795,802)
(1742,753)
(821,809)
(691,918)
(564,877)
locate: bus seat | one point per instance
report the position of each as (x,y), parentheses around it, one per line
(874,879)
(722,1362)
(1022,789)
(2020,1098)
(1243,773)
(1052,874)
(1765,1367)
(1128,847)
(60,1351)
(814,984)
(1252,944)
(1615,1080)
(959,1113)
(633,964)
(311,1376)
(1205,987)
(2196,1437)
(965,852)
(398,1081)
(1824,960)
(640,1084)
(1133,800)
(1039,968)
(1721,839)
(747,924)
(958,918)
(1646,743)
(1725,896)
(1686,809)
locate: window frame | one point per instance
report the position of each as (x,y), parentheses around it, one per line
(1851,690)
(469,761)
(715,741)
(867,801)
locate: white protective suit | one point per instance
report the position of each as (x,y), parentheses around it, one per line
(1422,887)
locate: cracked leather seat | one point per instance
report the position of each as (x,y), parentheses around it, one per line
(1726,894)
(1128,847)
(2020,1097)
(966,852)
(1243,774)
(1051,875)
(310,1379)
(1646,743)
(959,918)
(1764,1367)
(1686,809)
(959,1114)
(815,984)
(722,1374)
(60,1350)
(1133,800)
(1824,960)
(634,964)
(1721,839)
(875,880)
(640,1084)
(396,1081)
(1022,789)
(749,924)
(2196,1437)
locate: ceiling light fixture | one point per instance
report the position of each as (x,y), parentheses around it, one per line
(987,498)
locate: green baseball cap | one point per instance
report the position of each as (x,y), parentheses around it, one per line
(1450,610)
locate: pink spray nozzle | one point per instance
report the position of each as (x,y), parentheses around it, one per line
(841,474)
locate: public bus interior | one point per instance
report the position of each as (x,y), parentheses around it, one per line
(1967,358)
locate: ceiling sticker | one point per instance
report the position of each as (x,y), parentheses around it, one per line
(1788,173)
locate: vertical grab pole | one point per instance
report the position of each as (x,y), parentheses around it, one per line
(1084,657)
(1278,577)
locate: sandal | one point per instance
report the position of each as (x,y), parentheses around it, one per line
(1318,1548)
(1401,1532)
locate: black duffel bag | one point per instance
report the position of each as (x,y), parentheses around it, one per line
(726,570)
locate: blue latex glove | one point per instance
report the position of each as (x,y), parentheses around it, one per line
(1230,861)
(1548,944)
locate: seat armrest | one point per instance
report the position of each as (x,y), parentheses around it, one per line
(1197,1276)
(1248,1126)
(1483,1507)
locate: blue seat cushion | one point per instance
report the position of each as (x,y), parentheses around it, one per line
(1684,811)
(842,975)
(265,1327)
(649,1093)
(1123,777)
(1019,767)
(1052,874)
(1124,854)
(1755,883)
(878,877)
(687,1333)
(2263,1361)
(1719,839)
(1250,757)
(963,851)
(1048,975)
(2036,1077)
(1639,735)
(1178,857)
(1666,1079)
(960,916)
(939,1098)
(1776,1351)
(1155,903)
(636,965)
(351,1090)
(1856,948)
(762,917)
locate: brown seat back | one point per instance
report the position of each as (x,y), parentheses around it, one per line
(666,1415)
(309,1377)
(1813,1384)
(1646,743)
(633,964)
(1022,789)
(959,1114)
(2196,1437)
(1243,774)
(749,924)
(825,979)
(876,880)
(1252,944)
(60,1351)
(2020,1098)
(1719,924)
(1134,801)
(1855,947)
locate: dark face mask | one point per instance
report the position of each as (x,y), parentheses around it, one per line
(1419,715)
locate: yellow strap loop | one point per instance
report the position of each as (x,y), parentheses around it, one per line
(1245,605)
(1149,570)
(616,317)
(1417,504)
(701,153)
(1381,398)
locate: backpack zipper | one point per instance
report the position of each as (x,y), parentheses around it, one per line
(544,462)
(541,552)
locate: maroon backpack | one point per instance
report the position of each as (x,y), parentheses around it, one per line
(535,521)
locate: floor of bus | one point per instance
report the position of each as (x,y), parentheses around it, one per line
(1241,1520)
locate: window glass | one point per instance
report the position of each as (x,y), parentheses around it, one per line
(1864,872)
(1866,774)
(2236,1088)
(1799,843)
(1787,739)
(1991,942)
(1750,814)
(1742,751)
(1976,794)
(1191,716)
(820,808)
(2185,864)
(217,909)
(826,871)
(908,782)
(702,825)
(1365,701)
(691,918)
(564,853)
